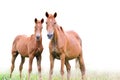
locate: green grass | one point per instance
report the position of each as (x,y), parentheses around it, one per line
(56,76)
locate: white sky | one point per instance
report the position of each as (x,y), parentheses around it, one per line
(96,21)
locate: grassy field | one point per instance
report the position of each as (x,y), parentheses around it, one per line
(56,76)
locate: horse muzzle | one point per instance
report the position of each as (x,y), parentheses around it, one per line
(37,37)
(49,36)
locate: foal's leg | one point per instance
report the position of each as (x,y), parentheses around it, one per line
(82,66)
(51,66)
(68,69)
(30,65)
(62,58)
(39,66)
(21,65)
(13,61)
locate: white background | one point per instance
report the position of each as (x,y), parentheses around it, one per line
(96,21)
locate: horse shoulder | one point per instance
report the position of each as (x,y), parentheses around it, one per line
(30,41)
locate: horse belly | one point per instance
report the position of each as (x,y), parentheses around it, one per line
(72,55)
(22,49)
(73,51)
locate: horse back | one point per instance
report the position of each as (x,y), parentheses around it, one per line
(74,35)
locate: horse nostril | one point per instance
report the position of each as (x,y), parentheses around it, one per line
(49,36)
(37,37)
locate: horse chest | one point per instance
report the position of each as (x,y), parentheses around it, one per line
(56,55)
(55,51)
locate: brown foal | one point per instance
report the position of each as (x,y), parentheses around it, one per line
(28,47)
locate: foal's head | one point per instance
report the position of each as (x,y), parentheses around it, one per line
(38,28)
(50,24)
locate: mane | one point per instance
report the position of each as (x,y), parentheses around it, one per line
(60,36)
(60,29)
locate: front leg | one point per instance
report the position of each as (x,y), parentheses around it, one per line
(39,66)
(30,65)
(51,66)
(62,58)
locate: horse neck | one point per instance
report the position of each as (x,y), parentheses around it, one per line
(58,38)
(56,34)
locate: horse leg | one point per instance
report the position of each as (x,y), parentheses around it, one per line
(30,65)
(82,66)
(62,58)
(21,65)
(51,66)
(13,61)
(68,69)
(39,66)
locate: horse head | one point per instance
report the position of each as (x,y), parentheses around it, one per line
(38,28)
(50,24)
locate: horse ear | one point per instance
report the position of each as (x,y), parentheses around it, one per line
(42,20)
(55,14)
(47,15)
(35,20)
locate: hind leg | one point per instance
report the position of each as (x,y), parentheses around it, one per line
(21,65)
(68,67)
(82,66)
(13,61)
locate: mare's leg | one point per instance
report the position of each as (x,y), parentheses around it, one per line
(62,58)
(39,66)
(14,55)
(51,66)
(82,66)
(21,65)
(30,65)
(68,69)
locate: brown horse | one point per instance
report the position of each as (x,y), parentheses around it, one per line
(64,46)
(29,47)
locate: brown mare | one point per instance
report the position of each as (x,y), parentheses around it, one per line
(29,47)
(64,46)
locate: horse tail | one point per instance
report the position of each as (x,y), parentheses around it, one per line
(80,42)
(14,42)
(77,65)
